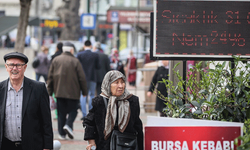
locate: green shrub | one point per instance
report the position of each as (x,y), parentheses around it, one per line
(220,94)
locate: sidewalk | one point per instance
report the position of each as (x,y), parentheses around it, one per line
(78,143)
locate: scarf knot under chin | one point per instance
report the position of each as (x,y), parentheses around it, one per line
(111,115)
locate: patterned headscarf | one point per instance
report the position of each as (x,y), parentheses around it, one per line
(123,104)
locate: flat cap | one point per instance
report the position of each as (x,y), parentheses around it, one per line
(67,46)
(16,55)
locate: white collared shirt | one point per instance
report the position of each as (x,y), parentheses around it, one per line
(13,113)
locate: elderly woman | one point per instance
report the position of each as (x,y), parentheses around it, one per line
(122,107)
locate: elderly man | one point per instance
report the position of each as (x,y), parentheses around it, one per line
(66,80)
(25,116)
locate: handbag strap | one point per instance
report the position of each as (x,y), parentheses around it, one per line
(105,102)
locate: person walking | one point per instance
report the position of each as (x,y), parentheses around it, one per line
(122,113)
(25,115)
(131,67)
(90,63)
(104,66)
(161,72)
(115,63)
(57,53)
(58,50)
(43,67)
(66,80)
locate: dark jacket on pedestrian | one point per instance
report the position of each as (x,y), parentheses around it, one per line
(160,73)
(98,114)
(90,63)
(104,66)
(37,133)
(55,55)
(66,77)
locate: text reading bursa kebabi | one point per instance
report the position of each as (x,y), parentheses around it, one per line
(196,145)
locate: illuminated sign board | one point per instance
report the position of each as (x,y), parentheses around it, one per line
(201,29)
(128,16)
(52,24)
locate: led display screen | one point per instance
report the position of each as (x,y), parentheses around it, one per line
(201,29)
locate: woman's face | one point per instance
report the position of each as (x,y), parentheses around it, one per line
(117,87)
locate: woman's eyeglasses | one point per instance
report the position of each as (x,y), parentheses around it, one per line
(18,66)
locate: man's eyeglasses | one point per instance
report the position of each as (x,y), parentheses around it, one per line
(18,66)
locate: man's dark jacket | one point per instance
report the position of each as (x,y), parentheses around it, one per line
(90,62)
(37,133)
(95,123)
(160,73)
(104,66)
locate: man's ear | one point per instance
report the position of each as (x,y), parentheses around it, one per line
(72,51)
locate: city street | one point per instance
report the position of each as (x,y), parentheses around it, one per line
(78,143)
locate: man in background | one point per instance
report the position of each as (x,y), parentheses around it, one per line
(90,63)
(66,80)
(104,66)
(58,50)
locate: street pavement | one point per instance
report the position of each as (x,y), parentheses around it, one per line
(78,143)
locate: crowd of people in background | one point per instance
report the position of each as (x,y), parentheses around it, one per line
(73,80)
(86,78)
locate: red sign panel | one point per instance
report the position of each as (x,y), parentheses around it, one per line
(128,16)
(191,138)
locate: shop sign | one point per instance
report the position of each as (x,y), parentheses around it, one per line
(51,24)
(190,134)
(128,16)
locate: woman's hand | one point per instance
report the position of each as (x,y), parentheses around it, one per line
(91,143)
(149,93)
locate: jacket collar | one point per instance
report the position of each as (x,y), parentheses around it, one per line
(68,54)
(27,90)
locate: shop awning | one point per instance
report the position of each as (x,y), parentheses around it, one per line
(8,23)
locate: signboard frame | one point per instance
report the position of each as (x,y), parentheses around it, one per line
(157,130)
(83,27)
(180,55)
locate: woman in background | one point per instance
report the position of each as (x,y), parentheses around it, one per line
(131,66)
(161,72)
(43,68)
(115,63)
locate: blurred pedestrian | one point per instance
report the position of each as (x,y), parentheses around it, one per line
(104,66)
(115,63)
(90,63)
(43,67)
(7,42)
(115,109)
(66,80)
(57,53)
(131,66)
(25,118)
(147,58)
(161,72)
(58,50)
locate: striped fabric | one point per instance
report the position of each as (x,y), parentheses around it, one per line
(13,113)
(123,104)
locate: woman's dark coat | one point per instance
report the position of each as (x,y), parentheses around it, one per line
(160,73)
(95,123)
